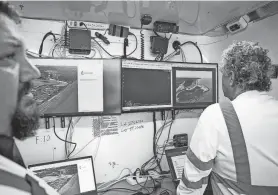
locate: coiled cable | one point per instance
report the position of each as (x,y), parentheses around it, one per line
(142,45)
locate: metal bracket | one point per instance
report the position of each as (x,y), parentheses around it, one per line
(47,123)
(63,123)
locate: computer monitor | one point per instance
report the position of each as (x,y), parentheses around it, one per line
(176,161)
(146,85)
(78,87)
(68,177)
(195,85)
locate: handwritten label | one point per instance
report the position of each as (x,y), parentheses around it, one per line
(130,123)
(43,139)
(132,128)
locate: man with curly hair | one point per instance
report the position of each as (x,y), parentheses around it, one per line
(19,116)
(234,146)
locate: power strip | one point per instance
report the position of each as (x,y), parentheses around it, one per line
(132,180)
(90,25)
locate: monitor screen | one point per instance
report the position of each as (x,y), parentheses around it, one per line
(146,85)
(176,160)
(194,85)
(71,177)
(74,87)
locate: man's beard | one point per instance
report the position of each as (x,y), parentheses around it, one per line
(25,120)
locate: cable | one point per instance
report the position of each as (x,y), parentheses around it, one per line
(136,43)
(43,39)
(167,140)
(117,178)
(67,135)
(157,34)
(111,189)
(144,186)
(142,44)
(82,23)
(93,38)
(190,42)
(59,137)
(170,36)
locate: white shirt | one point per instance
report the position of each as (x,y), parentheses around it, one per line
(258,116)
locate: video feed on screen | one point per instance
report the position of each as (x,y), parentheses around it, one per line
(146,87)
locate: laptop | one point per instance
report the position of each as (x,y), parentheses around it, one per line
(68,177)
(176,159)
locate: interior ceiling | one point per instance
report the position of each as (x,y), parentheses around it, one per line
(193,17)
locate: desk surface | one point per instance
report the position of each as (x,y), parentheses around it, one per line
(166,184)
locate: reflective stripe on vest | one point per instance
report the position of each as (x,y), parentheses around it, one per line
(14,181)
(27,184)
(238,143)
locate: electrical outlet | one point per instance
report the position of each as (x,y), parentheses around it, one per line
(132,180)
(90,25)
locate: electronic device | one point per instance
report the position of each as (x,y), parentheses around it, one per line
(118,31)
(102,37)
(146,19)
(146,85)
(165,27)
(176,160)
(180,140)
(159,45)
(239,25)
(71,177)
(195,85)
(78,87)
(79,41)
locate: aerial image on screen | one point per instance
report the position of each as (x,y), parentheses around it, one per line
(56,91)
(146,87)
(193,86)
(63,179)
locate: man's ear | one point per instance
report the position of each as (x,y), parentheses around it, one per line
(232,79)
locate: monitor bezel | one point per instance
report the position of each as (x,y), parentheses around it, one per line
(174,65)
(80,114)
(68,160)
(171,153)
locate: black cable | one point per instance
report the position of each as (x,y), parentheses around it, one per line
(154,135)
(142,44)
(158,34)
(93,38)
(111,189)
(190,42)
(144,186)
(167,140)
(67,134)
(82,23)
(43,39)
(170,36)
(54,128)
(154,141)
